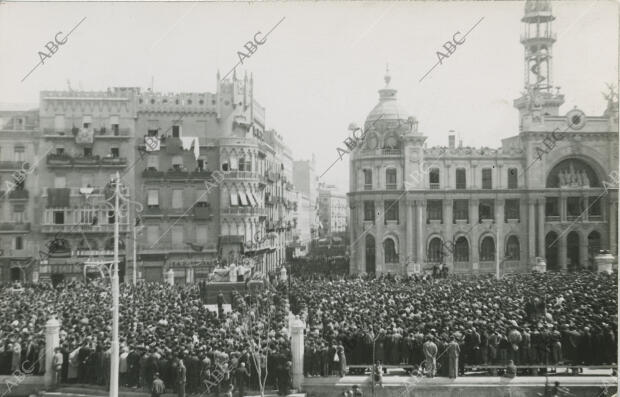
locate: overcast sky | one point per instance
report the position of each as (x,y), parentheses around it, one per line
(320,69)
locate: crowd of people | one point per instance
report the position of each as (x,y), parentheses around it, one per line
(162,328)
(531,319)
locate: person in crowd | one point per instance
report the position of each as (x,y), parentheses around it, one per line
(378,373)
(453,357)
(181,376)
(157,386)
(242,377)
(430,354)
(57,361)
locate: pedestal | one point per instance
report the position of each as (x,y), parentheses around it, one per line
(52,341)
(540,266)
(297,351)
(170,277)
(604,263)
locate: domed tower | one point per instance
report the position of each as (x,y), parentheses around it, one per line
(538,39)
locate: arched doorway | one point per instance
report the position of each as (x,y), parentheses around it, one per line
(434,252)
(370,254)
(487,249)
(594,247)
(572,251)
(551,251)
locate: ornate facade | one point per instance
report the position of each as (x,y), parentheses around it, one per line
(548,192)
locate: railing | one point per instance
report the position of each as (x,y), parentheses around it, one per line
(244,211)
(552,218)
(153,174)
(434,186)
(66,160)
(390,186)
(83,228)
(13,165)
(242,175)
(114,161)
(367,187)
(18,194)
(14,227)
(391,152)
(98,132)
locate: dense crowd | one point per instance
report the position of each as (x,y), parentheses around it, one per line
(160,327)
(531,319)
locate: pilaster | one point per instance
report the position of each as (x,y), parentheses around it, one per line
(541,227)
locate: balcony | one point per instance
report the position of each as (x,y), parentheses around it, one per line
(200,174)
(18,194)
(202,213)
(242,175)
(14,165)
(177,174)
(62,160)
(114,161)
(390,186)
(244,211)
(88,160)
(152,211)
(153,173)
(434,186)
(391,152)
(14,227)
(83,228)
(102,132)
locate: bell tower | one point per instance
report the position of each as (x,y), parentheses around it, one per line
(538,38)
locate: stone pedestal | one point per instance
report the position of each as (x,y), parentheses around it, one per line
(170,277)
(540,266)
(283,275)
(297,351)
(52,341)
(604,262)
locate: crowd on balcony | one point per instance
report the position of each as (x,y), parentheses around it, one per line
(531,319)
(160,327)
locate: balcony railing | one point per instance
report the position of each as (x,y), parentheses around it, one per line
(367,187)
(434,186)
(391,152)
(64,160)
(242,175)
(244,211)
(114,161)
(390,186)
(552,218)
(14,165)
(98,132)
(14,227)
(153,173)
(83,228)
(18,194)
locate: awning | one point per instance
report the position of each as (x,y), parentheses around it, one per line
(251,199)
(243,199)
(233,199)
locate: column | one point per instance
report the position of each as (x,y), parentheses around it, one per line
(472,183)
(52,341)
(499,176)
(409,233)
(562,208)
(541,227)
(474,253)
(447,184)
(420,223)
(499,225)
(379,225)
(584,209)
(613,225)
(531,222)
(447,225)
(583,250)
(297,351)
(562,252)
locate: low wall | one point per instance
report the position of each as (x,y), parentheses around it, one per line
(11,386)
(396,386)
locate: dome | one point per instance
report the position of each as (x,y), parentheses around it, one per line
(388,109)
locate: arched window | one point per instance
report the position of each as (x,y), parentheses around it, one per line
(434,250)
(487,249)
(461,250)
(109,244)
(512,248)
(242,164)
(389,250)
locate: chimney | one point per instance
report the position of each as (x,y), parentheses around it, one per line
(451,140)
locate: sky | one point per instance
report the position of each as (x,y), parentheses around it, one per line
(320,68)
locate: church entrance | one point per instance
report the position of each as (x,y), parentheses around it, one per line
(551,251)
(572,251)
(370,254)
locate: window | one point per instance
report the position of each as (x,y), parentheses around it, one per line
(114,152)
(60,182)
(512,248)
(87,121)
(152,162)
(485,209)
(60,150)
(369,211)
(59,217)
(434,210)
(18,154)
(487,178)
(201,164)
(114,125)
(434,253)
(594,206)
(201,234)
(242,164)
(461,209)
(390,179)
(552,208)
(59,122)
(177,198)
(487,249)
(391,210)
(88,152)
(152,133)
(461,180)
(177,236)
(201,198)
(461,250)
(18,215)
(177,162)
(433,177)
(367,179)
(111,217)
(176,131)
(153,199)
(512,178)
(511,209)
(389,250)
(19,243)
(152,234)
(573,206)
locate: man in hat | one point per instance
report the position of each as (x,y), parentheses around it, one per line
(181,376)
(430,353)
(453,357)
(241,376)
(157,386)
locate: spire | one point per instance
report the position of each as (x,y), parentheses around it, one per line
(387,77)
(218,74)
